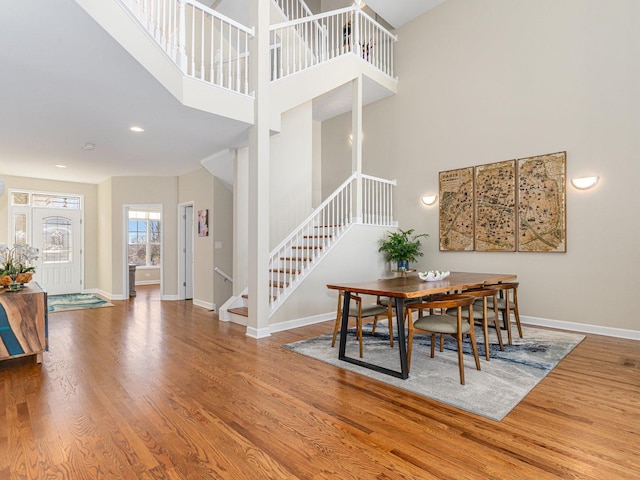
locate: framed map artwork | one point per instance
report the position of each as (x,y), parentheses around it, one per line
(456,210)
(542,212)
(495,207)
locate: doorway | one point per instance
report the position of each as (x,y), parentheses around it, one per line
(143,228)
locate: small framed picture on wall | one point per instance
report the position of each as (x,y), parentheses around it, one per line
(203,223)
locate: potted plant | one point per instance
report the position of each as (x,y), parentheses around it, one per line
(402,247)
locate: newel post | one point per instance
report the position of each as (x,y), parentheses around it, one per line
(182,36)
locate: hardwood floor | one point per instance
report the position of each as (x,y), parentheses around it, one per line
(150,389)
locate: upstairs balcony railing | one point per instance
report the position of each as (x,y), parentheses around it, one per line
(294,9)
(309,40)
(204,44)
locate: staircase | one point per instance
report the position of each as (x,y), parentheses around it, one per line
(211,52)
(302,251)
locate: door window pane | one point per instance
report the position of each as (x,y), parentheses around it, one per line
(20,228)
(56,240)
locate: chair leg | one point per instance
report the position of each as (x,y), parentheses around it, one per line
(507,319)
(409,349)
(460,357)
(496,322)
(474,347)
(441,342)
(359,332)
(433,345)
(516,311)
(336,327)
(485,327)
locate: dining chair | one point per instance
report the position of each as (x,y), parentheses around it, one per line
(507,302)
(389,303)
(482,296)
(444,324)
(359,312)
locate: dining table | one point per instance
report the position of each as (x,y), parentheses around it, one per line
(401,289)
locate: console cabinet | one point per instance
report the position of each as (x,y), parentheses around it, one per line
(23,322)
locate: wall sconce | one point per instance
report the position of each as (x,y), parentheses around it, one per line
(429,200)
(351,138)
(584,183)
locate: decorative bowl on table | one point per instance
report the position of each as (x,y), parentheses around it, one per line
(433,275)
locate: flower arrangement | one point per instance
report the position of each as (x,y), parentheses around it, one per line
(17,263)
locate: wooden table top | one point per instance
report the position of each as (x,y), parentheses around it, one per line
(412,286)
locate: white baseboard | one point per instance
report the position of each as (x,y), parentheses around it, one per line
(258,332)
(582,327)
(108,296)
(169,297)
(301,322)
(534,321)
(207,305)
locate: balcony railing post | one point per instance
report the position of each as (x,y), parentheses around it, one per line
(182,36)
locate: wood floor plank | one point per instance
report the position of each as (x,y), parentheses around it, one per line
(150,389)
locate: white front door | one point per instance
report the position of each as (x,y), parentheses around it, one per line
(57,234)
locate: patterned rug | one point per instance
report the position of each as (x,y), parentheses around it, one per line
(76,301)
(492,392)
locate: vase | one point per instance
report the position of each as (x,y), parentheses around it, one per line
(403,265)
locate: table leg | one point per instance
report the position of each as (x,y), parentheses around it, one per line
(402,341)
(344,325)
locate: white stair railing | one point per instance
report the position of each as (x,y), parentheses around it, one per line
(205,44)
(309,40)
(301,251)
(294,9)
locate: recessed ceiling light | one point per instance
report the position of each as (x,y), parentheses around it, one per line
(137,129)
(89,146)
(61,166)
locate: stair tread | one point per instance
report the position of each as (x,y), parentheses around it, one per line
(243,311)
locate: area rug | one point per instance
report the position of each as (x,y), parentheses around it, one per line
(75,301)
(491,392)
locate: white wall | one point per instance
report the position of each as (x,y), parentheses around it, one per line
(222,234)
(197,187)
(353,259)
(145,191)
(291,172)
(481,82)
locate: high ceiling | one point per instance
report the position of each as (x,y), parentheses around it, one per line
(65,83)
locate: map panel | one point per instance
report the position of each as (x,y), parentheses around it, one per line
(456,210)
(495,202)
(542,203)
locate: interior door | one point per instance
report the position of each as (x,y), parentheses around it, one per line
(188,252)
(57,234)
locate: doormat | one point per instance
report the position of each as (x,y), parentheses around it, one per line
(75,301)
(491,392)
